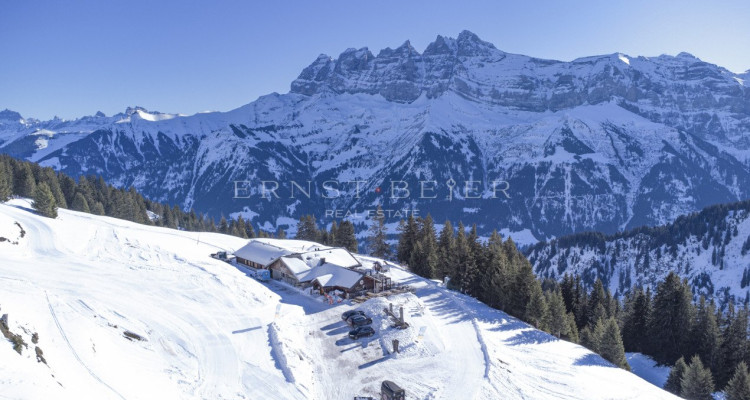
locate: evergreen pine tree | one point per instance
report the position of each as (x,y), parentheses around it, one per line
(589,339)
(496,278)
(332,235)
(572,334)
(734,346)
(581,306)
(670,319)
(223,225)
(6,180)
(170,217)
(446,251)
(536,312)
(697,382)
(635,321)
(598,305)
(610,342)
(97,208)
(706,336)
(557,321)
(80,204)
(307,229)
(378,235)
(424,256)
(85,187)
(44,201)
(567,289)
(249,230)
(407,239)
(521,289)
(674,379)
(23,182)
(476,264)
(234,228)
(738,387)
(241,227)
(69,188)
(345,236)
(49,176)
(461,253)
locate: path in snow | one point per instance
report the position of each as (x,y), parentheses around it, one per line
(73,351)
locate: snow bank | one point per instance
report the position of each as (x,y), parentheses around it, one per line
(646,368)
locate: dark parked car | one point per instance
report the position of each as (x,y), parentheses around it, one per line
(359,320)
(361,331)
(391,391)
(349,313)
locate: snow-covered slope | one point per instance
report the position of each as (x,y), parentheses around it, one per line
(81,282)
(599,143)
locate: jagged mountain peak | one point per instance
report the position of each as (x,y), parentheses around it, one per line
(10,116)
(405,50)
(441,46)
(352,60)
(134,109)
(686,55)
(469,44)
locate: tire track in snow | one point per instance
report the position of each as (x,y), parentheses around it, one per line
(467,377)
(482,344)
(500,387)
(75,354)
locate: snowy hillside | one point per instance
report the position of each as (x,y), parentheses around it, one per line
(599,143)
(126,311)
(710,248)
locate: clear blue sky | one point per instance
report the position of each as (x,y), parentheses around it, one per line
(73,58)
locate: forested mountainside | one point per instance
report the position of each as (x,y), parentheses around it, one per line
(710,248)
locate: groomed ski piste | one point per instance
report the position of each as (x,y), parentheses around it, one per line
(200,328)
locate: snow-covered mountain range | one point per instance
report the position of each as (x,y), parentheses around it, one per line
(599,143)
(119,310)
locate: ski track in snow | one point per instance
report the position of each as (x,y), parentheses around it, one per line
(73,351)
(211,332)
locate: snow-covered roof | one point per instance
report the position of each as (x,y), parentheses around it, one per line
(329,275)
(331,255)
(369,262)
(261,252)
(295,265)
(293,246)
(266,251)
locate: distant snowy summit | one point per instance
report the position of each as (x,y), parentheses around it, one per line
(10,116)
(477,70)
(598,143)
(399,75)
